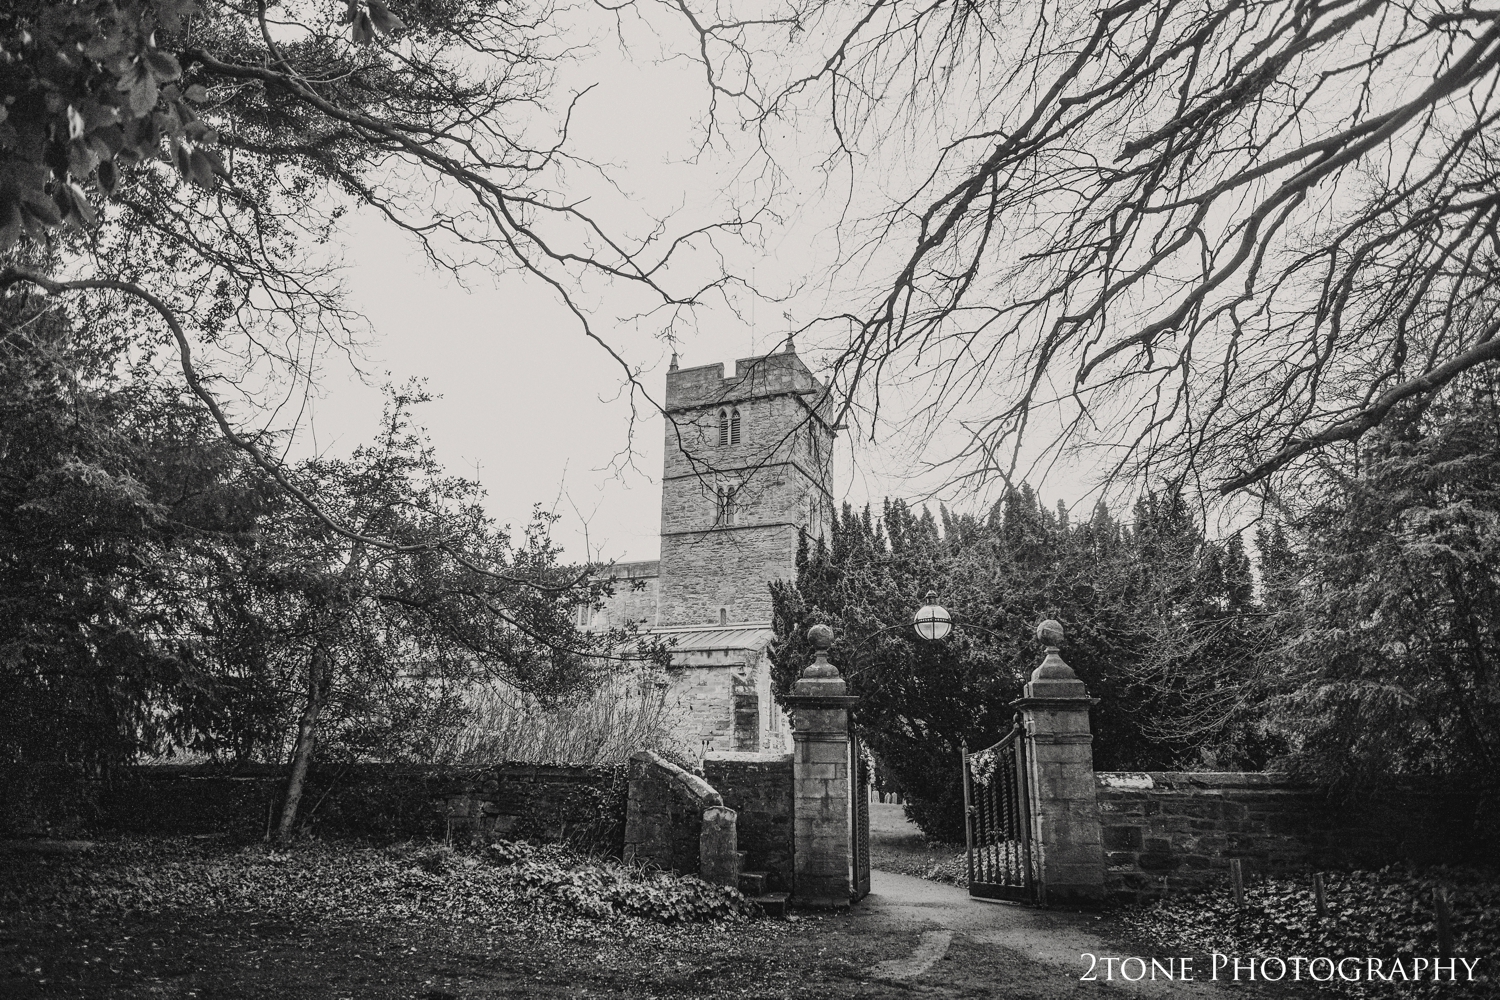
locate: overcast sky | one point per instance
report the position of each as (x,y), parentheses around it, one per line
(534,410)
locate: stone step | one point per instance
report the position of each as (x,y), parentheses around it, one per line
(774,903)
(754,883)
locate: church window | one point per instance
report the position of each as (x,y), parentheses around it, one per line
(734,427)
(723,427)
(723,616)
(725,513)
(584,615)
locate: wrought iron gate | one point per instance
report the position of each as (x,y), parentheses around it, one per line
(997,827)
(859,816)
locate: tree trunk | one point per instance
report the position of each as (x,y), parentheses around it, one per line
(306,742)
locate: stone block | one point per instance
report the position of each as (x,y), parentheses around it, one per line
(820,772)
(718,849)
(826,752)
(1157,861)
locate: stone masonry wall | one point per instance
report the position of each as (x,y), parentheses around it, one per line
(664,814)
(703,695)
(584,806)
(1169,832)
(758,787)
(634,599)
(780,469)
(726,568)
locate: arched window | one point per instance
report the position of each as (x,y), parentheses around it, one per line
(724,514)
(723,427)
(723,616)
(584,614)
(734,427)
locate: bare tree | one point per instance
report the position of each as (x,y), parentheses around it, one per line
(1214,239)
(179,169)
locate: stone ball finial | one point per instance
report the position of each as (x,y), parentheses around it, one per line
(821,636)
(1050,632)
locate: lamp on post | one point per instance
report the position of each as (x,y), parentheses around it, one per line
(932,620)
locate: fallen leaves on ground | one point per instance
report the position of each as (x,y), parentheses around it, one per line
(1383,914)
(507,885)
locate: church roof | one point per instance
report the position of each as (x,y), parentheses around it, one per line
(696,638)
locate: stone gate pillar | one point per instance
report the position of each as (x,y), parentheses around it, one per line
(822,843)
(1068,850)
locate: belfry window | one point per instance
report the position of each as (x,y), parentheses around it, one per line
(723,427)
(734,426)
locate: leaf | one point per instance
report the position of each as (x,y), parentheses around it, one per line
(182,160)
(363,33)
(98,115)
(140,84)
(104,146)
(10,227)
(172,13)
(163,65)
(350,12)
(385,22)
(75,123)
(201,170)
(197,93)
(39,215)
(108,178)
(216,162)
(105,44)
(82,210)
(81,159)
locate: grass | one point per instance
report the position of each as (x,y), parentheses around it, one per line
(897,845)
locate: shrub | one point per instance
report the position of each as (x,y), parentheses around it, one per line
(602,727)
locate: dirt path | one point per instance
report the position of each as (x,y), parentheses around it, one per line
(953,945)
(1039,952)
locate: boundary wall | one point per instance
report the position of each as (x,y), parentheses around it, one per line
(583,806)
(1167,833)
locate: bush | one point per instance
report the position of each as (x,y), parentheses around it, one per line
(938,810)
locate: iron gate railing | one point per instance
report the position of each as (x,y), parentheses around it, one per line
(859,814)
(997,824)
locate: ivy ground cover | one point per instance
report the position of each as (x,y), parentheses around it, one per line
(152,917)
(1389,915)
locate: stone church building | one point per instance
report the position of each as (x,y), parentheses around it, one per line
(747,466)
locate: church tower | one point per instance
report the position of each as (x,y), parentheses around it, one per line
(747,465)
